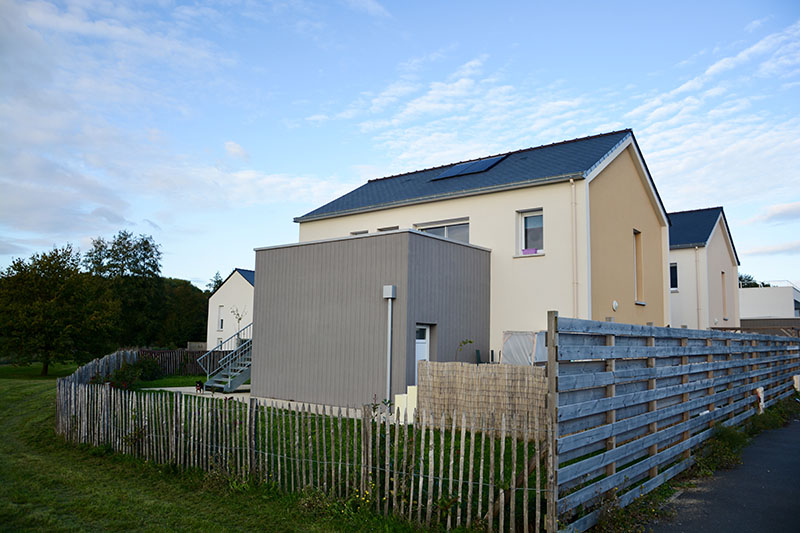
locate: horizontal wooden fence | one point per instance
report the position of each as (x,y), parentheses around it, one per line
(480,471)
(632,401)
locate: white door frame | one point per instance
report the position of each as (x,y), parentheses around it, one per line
(425,344)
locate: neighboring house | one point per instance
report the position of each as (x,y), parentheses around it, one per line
(576,226)
(234,296)
(704,270)
(770,302)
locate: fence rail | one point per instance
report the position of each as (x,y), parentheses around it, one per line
(632,401)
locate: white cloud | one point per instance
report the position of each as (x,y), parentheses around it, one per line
(787,248)
(235,150)
(370,7)
(778,213)
(754,25)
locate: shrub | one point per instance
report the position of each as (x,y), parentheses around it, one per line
(150,369)
(126,376)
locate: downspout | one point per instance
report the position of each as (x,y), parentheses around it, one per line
(697,283)
(389,294)
(574,213)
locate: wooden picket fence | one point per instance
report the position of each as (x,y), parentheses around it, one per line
(181,362)
(481,471)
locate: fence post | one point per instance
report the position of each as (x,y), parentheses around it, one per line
(611,391)
(551,524)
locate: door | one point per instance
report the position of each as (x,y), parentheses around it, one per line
(422,347)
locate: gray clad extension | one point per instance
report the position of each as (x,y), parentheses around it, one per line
(320,318)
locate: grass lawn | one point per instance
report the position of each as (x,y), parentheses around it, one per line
(47,485)
(171,381)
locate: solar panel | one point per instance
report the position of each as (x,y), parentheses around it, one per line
(473,167)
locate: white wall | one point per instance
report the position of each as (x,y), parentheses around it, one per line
(689,307)
(235,292)
(768,302)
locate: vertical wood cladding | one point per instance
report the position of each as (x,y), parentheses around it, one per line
(320,318)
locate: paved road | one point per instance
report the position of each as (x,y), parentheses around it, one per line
(762,494)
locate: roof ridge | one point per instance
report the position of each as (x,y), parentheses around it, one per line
(695,210)
(530,148)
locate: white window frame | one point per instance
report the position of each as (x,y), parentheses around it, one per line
(220,317)
(521,216)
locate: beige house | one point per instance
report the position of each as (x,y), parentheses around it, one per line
(704,270)
(230,307)
(576,226)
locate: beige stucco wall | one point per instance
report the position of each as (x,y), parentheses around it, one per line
(236,291)
(620,203)
(686,303)
(523,288)
(719,258)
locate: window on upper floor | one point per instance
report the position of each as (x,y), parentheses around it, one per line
(673,276)
(531,232)
(220,320)
(724,299)
(638,268)
(389,228)
(456,229)
(456,232)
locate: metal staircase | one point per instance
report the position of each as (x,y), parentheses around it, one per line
(227,366)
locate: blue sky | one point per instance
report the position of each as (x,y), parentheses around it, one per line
(210,126)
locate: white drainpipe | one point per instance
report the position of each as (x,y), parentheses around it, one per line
(389,294)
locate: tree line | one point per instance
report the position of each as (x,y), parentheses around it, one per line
(62,305)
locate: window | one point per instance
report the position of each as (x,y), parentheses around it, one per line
(673,276)
(638,268)
(389,228)
(724,299)
(219,317)
(359,232)
(531,238)
(456,232)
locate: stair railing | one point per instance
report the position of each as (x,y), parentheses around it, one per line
(235,357)
(209,362)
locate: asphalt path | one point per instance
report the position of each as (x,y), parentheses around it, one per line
(761,494)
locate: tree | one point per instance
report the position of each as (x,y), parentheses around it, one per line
(185,313)
(52,312)
(132,267)
(215,282)
(125,255)
(746,280)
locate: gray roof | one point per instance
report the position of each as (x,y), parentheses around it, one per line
(693,228)
(531,166)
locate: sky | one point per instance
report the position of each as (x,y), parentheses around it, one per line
(210,126)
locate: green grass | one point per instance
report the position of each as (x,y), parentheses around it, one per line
(48,485)
(171,381)
(33,371)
